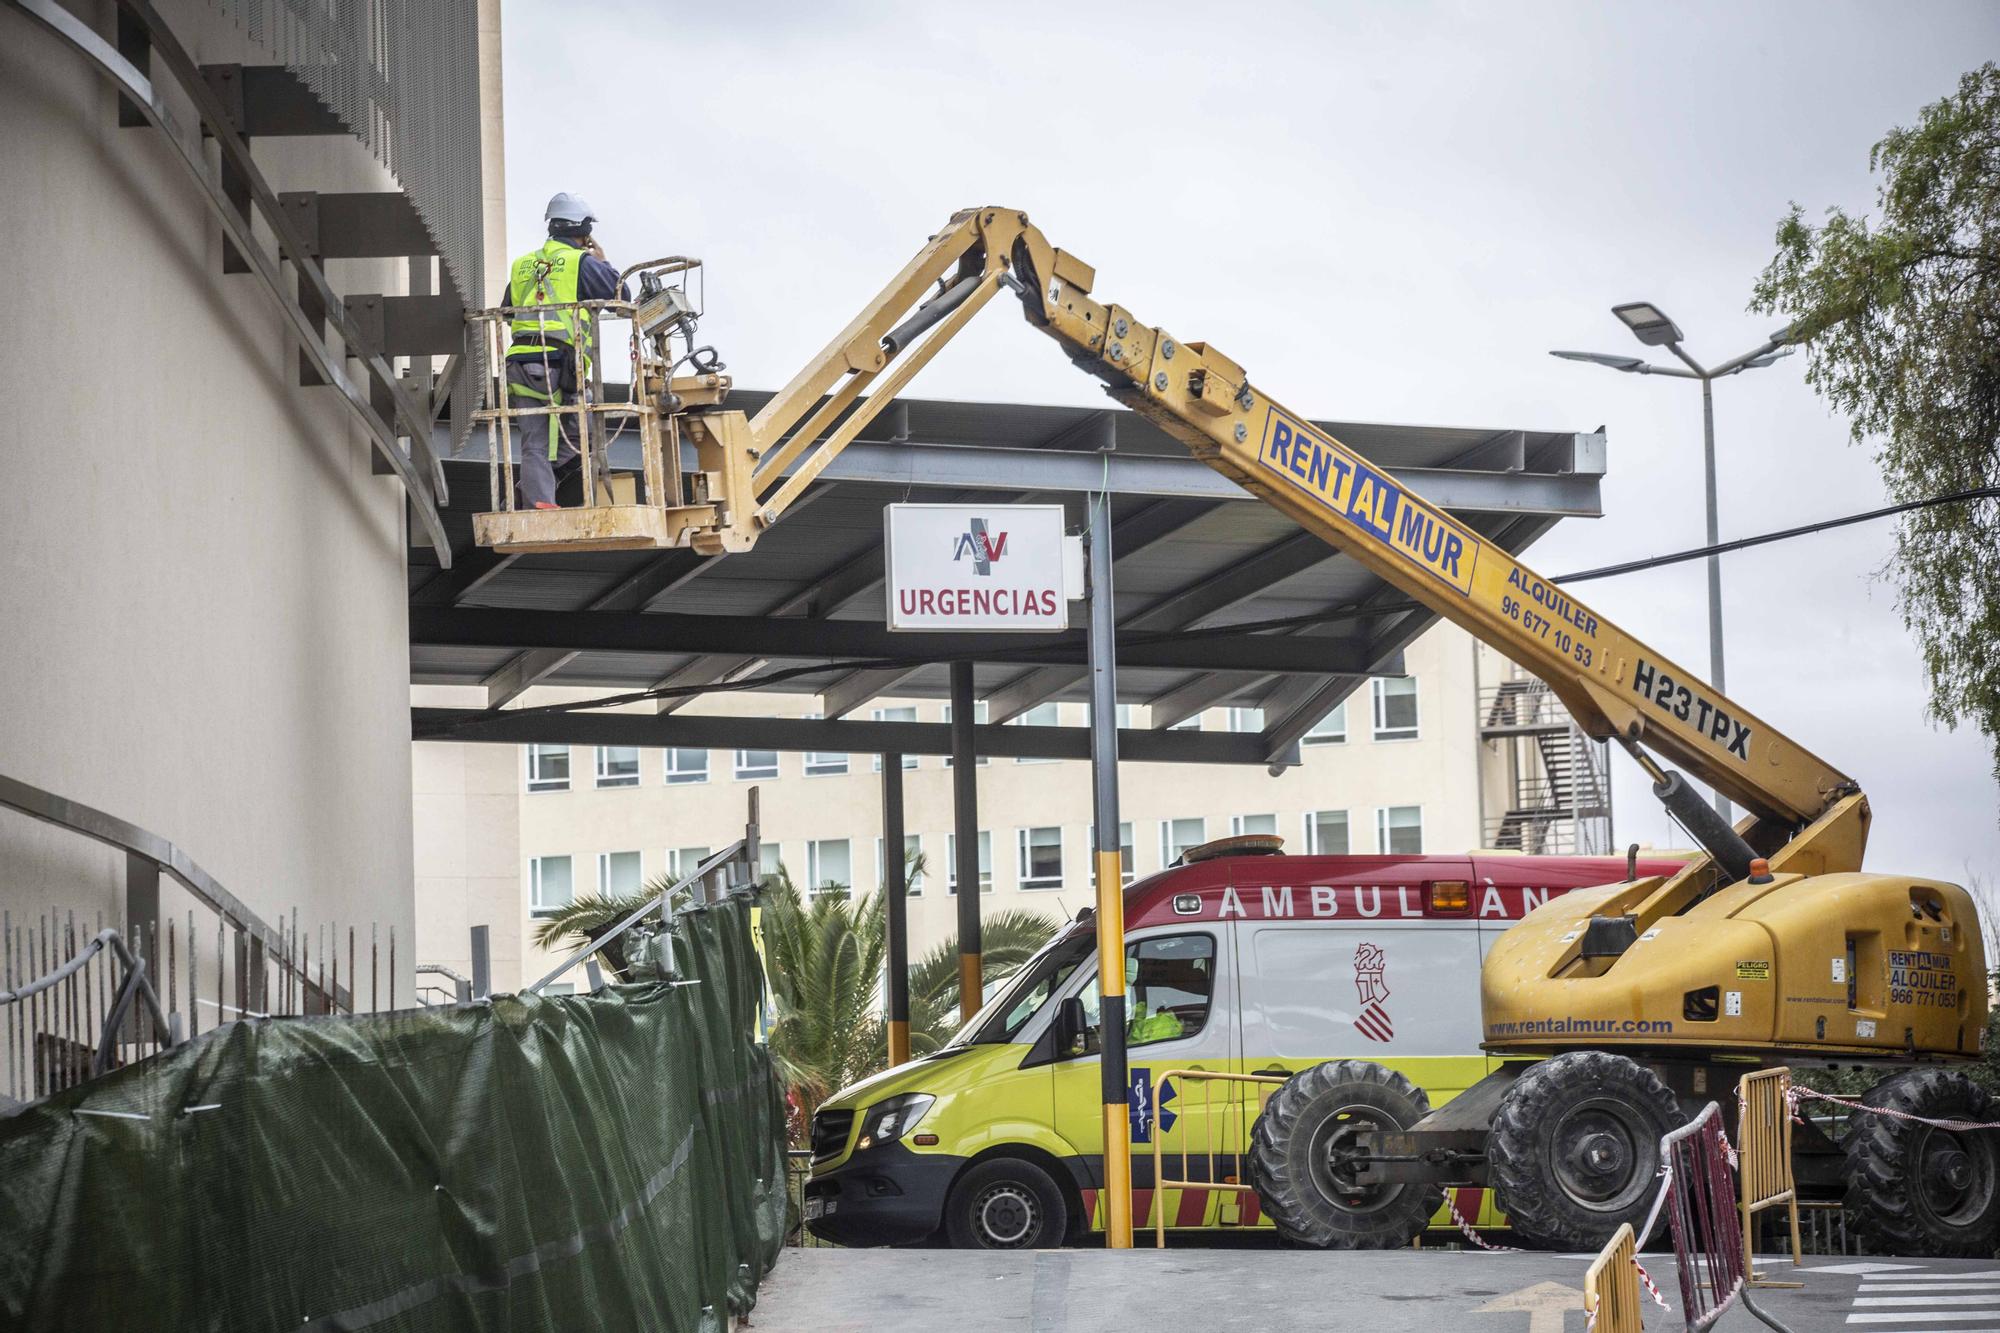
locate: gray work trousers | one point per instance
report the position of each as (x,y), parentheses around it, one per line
(528,386)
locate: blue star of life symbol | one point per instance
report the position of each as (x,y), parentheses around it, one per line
(1139,1101)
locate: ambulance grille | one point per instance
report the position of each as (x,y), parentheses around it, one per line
(830,1130)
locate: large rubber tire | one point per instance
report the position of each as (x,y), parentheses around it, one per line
(1575,1148)
(1918,1190)
(1005,1204)
(1320,1108)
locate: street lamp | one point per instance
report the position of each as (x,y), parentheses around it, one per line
(1651,326)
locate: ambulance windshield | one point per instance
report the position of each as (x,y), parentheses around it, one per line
(1022,996)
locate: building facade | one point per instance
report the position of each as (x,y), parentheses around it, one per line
(508,834)
(207,616)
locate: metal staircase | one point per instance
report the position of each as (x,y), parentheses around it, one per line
(1559,793)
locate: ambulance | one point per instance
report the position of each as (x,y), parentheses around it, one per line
(1239,959)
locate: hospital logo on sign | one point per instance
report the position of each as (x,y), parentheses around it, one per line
(982,546)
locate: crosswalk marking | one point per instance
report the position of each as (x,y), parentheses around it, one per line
(1929,1298)
(1949,1285)
(1914,1316)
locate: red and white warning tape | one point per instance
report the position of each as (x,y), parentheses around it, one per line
(1451,1202)
(1793,1096)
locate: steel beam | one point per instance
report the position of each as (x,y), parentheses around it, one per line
(662,573)
(269,100)
(470,569)
(696,732)
(423,326)
(372,224)
(810,640)
(1182,609)
(819,599)
(842,696)
(1460,490)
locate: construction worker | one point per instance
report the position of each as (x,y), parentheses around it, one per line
(548,360)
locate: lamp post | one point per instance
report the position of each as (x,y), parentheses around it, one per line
(1650,325)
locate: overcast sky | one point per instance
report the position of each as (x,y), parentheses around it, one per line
(1385,212)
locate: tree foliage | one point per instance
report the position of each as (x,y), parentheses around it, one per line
(1901,317)
(824,954)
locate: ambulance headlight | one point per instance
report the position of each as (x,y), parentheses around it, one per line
(890,1120)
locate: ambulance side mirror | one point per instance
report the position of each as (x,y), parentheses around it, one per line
(1072,1027)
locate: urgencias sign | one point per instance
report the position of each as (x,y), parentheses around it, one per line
(979,567)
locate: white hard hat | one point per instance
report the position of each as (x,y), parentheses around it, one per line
(567,207)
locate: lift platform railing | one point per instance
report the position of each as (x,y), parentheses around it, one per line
(1236,1118)
(656,505)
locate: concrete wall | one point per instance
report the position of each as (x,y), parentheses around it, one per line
(205,609)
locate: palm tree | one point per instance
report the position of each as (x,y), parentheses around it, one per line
(590,915)
(824,954)
(1007,940)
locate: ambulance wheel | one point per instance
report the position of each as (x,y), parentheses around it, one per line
(1296,1152)
(1575,1148)
(1005,1204)
(1917,1189)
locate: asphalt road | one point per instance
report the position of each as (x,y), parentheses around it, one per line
(1053,1291)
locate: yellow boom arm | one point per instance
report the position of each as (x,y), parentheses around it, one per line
(1615,686)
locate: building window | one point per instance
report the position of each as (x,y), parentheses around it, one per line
(1169,980)
(682,861)
(903,713)
(829,865)
(559,988)
(1177,835)
(820,764)
(618,874)
(1040,864)
(913,847)
(978,719)
(1246,719)
(756,764)
(617,765)
(1041,715)
(1395,708)
(985,861)
(1329,730)
(1192,722)
(1125,857)
(548,768)
(686,766)
(769,859)
(1400,829)
(1239,825)
(550,888)
(1326,832)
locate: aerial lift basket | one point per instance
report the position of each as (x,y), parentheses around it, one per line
(638,491)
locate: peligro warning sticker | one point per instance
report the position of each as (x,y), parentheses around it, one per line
(1754,971)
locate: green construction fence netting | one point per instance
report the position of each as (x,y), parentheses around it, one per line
(606,1161)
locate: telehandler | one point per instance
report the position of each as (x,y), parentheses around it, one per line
(1615,1011)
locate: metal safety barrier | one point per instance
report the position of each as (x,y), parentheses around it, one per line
(1611,1300)
(1236,1113)
(1764,1157)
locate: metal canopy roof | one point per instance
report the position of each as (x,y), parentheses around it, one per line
(1194,555)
